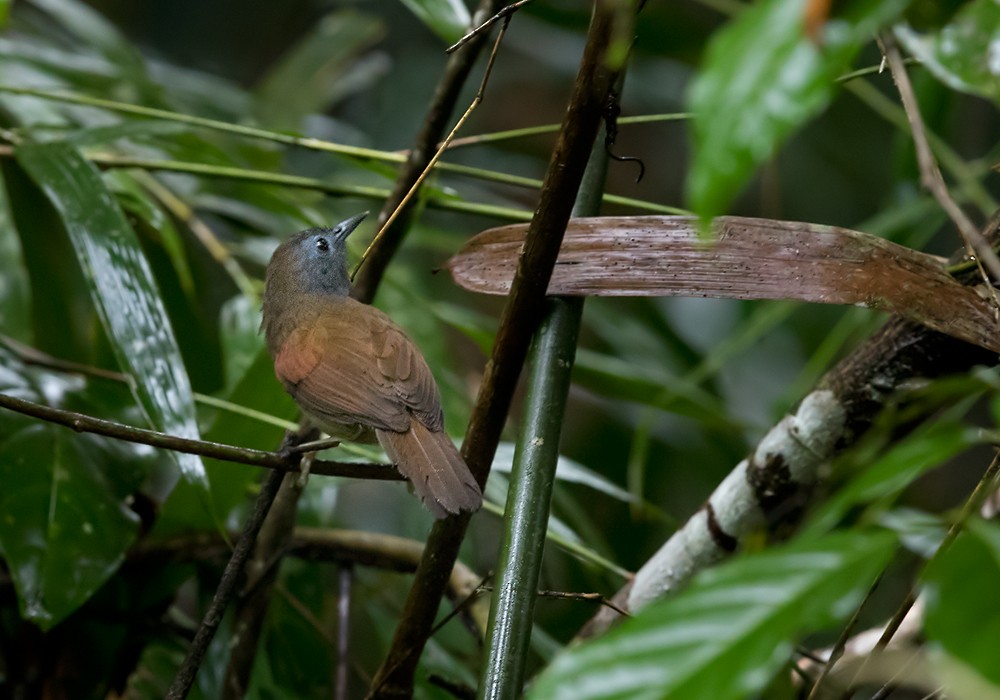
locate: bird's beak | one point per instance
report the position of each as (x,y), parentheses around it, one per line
(346,227)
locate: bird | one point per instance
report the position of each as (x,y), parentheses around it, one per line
(356,373)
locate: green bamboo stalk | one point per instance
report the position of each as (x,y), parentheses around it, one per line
(512,606)
(529,497)
(356,152)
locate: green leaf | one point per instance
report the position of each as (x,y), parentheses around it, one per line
(960,591)
(122,288)
(15,295)
(449,19)
(762,78)
(729,631)
(65,523)
(898,468)
(566,470)
(963,53)
(231,485)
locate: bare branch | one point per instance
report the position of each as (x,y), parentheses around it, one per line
(228,453)
(930,174)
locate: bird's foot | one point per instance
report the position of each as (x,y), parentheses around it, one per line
(314,446)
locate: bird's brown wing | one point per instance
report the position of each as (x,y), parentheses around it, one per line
(353,365)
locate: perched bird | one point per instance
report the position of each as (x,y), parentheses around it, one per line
(354,371)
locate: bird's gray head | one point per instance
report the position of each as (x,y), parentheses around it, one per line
(313,261)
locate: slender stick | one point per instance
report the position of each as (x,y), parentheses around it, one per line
(425,146)
(184,679)
(518,321)
(930,174)
(529,498)
(229,453)
(437,155)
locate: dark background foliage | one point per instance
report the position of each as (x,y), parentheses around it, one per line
(669,394)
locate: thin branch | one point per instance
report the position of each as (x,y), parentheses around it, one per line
(184,679)
(504,14)
(985,486)
(930,174)
(442,105)
(598,598)
(258,458)
(437,155)
(252,605)
(517,324)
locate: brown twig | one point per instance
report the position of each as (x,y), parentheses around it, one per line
(228,453)
(930,174)
(517,324)
(425,145)
(227,587)
(437,155)
(504,14)
(598,598)
(272,541)
(972,504)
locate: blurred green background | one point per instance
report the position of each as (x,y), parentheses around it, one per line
(668,394)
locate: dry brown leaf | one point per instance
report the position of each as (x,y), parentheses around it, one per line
(746,259)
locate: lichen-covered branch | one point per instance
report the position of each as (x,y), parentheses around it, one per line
(773,484)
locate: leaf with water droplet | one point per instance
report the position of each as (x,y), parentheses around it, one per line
(122,288)
(65,520)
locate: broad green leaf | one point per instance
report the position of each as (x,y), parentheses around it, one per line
(231,485)
(960,592)
(65,523)
(762,78)
(122,288)
(730,631)
(920,532)
(15,295)
(566,470)
(916,454)
(449,19)
(965,53)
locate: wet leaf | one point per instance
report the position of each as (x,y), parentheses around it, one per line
(65,523)
(122,288)
(965,53)
(743,616)
(449,19)
(763,76)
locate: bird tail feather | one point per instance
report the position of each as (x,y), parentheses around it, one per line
(433,465)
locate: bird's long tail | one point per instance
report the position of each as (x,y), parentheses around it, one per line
(433,465)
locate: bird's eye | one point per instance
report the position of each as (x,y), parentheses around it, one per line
(322,244)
